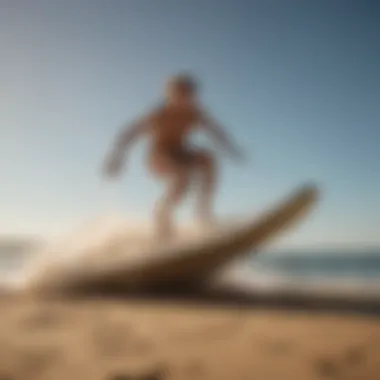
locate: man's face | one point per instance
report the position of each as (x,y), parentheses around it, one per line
(181,95)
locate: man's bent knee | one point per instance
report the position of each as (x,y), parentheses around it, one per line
(205,160)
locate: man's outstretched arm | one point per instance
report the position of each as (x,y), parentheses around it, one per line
(220,136)
(123,142)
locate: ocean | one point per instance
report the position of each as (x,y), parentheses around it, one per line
(362,264)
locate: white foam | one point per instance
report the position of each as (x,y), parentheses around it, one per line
(96,239)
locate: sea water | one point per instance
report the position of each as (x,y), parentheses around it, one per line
(360,263)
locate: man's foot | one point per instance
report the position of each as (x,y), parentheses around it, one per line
(164,234)
(207,222)
(164,228)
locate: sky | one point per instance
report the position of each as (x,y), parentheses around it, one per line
(297,84)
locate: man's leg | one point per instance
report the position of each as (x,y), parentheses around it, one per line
(178,184)
(206,168)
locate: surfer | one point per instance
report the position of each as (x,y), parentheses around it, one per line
(170,156)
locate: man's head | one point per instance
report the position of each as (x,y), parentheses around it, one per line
(181,89)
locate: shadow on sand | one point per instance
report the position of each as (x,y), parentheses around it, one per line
(204,296)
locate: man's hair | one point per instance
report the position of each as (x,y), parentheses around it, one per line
(183,81)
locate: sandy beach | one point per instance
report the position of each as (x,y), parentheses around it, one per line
(119,339)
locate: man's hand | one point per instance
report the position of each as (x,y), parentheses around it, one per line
(240,156)
(112,166)
(218,133)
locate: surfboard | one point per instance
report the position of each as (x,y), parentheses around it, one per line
(154,264)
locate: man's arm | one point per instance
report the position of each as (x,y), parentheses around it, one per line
(220,136)
(123,142)
(129,135)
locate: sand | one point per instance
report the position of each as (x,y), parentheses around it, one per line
(120,339)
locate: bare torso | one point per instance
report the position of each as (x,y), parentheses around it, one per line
(169,131)
(170,128)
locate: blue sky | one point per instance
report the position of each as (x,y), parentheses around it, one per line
(296,82)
